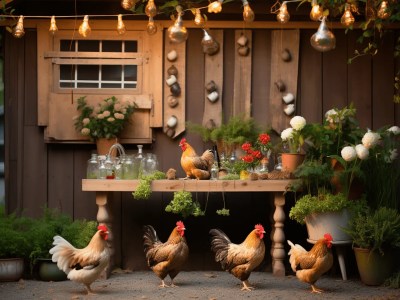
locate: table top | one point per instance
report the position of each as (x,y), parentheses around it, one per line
(191,185)
(333,242)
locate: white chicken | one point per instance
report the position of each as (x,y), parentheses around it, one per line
(83,265)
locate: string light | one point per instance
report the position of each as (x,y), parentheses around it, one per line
(198,18)
(215,7)
(151,27)
(177,33)
(383,12)
(53,27)
(127,4)
(121,26)
(84,29)
(316,11)
(151,9)
(347,19)
(248,13)
(18,30)
(283,14)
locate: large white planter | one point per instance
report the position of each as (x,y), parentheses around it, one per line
(329,222)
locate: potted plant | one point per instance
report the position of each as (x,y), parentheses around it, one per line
(376,242)
(14,246)
(104,122)
(52,223)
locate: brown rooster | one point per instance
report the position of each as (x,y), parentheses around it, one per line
(239,260)
(195,166)
(166,258)
(82,265)
(313,263)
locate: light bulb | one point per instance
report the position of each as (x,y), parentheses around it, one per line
(121,26)
(316,11)
(18,30)
(177,33)
(248,13)
(383,12)
(323,40)
(215,7)
(127,4)
(151,27)
(283,15)
(84,29)
(347,19)
(53,27)
(198,18)
(151,9)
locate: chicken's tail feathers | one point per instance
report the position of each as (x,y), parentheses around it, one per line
(201,174)
(62,253)
(220,245)
(149,237)
(209,157)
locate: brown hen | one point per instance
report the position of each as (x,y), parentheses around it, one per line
(195,166)
(312,263)
(239,260)
(165,258)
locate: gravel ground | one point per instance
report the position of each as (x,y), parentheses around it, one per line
(194,285)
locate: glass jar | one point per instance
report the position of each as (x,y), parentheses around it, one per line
(92,169)
(102,167)
(214,171)
(109,167)
(150,164)
(128,167)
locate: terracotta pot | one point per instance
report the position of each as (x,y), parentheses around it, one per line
(373,267)
(104,145)
(11,269)
(290,161)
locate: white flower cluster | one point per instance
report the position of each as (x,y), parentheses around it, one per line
(370,139)
(395,130)
(298,123)
(287,134)
(350,153)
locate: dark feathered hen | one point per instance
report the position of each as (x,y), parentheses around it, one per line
(165,258)
(239,260)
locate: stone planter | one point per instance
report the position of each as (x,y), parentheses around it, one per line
(48,271)
(373,267)
(328,222)
(11,269)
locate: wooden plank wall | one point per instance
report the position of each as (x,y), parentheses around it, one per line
(39,174)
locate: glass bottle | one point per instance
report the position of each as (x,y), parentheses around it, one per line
(128,167)
(214,171)
(138,162)
(92,170)
(118,161)
(102,167)
(150,164)
(278,165)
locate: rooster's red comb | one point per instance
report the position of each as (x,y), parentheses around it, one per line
(182,141)
(180,224)
(328,237)
(259,227)
(102,228)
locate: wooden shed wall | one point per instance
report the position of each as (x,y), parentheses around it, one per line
(40,174)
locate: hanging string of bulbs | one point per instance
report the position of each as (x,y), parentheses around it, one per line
(178,33)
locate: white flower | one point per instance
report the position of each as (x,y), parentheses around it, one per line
(331,116)
(110,119)
(394,129)
(100,116)
(85,131)
(119,116)
(349,153)
(393,155)
(106,113)
(298,123)
(370,139)
(362,152)
(117,107)
(287,134)
(85,121)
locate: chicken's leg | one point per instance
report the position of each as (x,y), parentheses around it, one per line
(172,284)
(314,289)
(246,286)
(89,290)
(163,285)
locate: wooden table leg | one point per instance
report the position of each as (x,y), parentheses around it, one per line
(278,238)
(104,217)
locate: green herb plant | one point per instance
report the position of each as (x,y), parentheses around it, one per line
(143,190)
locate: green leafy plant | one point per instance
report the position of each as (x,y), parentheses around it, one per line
(183,204)
(321,203)
(106,120)
(376,230)
(143,190)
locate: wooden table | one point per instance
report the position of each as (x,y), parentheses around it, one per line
(103,186)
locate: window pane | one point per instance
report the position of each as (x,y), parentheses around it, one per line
(67,72)
(88,72)
(111,73)
(67,45)
(130,46)
(87,85)
(66,84)
(88,46)
(112,46)
(130,73)
(130,86)
(111,85)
